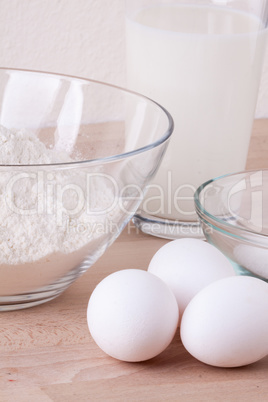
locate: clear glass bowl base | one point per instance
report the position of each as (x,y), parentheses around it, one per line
(167,229)
(23,301)
(41,295)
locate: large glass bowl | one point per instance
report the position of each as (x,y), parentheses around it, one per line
(59,214)
(233,211)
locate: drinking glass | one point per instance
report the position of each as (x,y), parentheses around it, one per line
(201,60)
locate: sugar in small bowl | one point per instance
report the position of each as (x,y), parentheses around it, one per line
(234,217)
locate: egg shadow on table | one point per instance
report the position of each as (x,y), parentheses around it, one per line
(174,355)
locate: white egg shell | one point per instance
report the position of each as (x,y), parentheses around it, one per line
(132,315)
(187,266)
(226,324)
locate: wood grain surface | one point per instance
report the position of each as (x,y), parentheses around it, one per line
(47,353)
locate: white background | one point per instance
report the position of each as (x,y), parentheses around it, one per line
(76,37)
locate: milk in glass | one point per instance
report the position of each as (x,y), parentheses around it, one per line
(203,64)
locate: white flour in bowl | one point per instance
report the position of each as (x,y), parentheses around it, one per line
(46,227)
(23,148)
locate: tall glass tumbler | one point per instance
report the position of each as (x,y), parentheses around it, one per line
(201,60)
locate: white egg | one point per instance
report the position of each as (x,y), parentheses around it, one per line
(187,266)
(132,315)
(226,324)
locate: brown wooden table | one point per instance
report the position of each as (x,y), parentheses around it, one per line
(47,353)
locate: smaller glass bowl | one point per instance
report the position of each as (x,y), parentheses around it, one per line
(233,211)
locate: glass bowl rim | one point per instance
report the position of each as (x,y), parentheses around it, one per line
(228,228)
(102,160)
